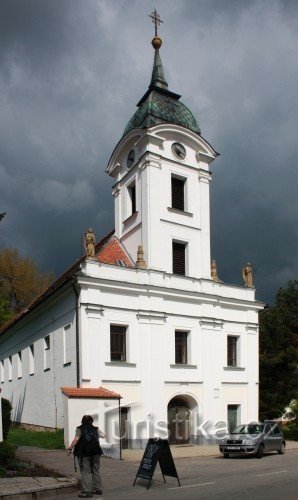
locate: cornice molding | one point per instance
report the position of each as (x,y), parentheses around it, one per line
(211,323)
(151,316)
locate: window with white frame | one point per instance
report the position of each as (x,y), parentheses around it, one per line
(132,206)
(179,258)
(31,359)
(2,371)
(47,351)
(10,368)
(118,342)
(181,340)
(232,350)
(19,364)
(67,345)
(178,193)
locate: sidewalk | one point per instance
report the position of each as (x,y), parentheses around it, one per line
(115,472)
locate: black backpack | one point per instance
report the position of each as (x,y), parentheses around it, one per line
(88,444)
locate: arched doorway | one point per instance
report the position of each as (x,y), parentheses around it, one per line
(179,421)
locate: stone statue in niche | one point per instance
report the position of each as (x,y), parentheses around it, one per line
(141,264)
(90,243)
(247,275)
(214,274)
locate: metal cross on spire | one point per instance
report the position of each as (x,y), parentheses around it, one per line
(155,19)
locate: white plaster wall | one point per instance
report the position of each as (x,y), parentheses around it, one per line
(236,394)
(36,398)
(132,239)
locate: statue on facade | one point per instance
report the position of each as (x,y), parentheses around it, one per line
(214,274)
(141,264)
(247,275)
(90,243)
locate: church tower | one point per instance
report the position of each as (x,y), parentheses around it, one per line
(162,177)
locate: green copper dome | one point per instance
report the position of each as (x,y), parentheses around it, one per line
(159,105)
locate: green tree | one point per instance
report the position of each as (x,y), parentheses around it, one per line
(5,313)
(292,410)
(278,352)
(20,283)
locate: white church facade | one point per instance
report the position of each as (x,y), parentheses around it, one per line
(143,318)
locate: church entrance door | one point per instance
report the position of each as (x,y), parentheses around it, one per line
(179,421)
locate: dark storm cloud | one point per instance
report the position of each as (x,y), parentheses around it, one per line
(71,74)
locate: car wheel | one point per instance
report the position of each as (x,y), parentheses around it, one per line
(282,449)
(260,451)
(226,455)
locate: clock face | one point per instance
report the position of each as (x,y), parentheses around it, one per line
(178,150)
(130,159)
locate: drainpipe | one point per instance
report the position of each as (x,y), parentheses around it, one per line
(120,438)
(77,296)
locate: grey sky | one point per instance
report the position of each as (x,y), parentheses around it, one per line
(71,74)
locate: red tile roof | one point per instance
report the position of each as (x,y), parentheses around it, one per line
(108,250)
(113,252)
(89,392)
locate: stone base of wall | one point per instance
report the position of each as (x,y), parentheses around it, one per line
(33,427)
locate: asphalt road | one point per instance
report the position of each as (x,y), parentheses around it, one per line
(273,477)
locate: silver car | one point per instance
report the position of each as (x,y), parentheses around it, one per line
(253,439)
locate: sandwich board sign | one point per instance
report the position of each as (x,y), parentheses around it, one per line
(157,450)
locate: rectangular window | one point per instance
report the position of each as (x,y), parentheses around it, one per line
(181,347)
(118,343)
(19,361)
(179,258)
(47,350)
(10,368)
(67,345)
(132,199)
(233,417)
(232,350)
(177,187)
(31,359)
(2,370)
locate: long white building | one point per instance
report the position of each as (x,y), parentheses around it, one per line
(179,346)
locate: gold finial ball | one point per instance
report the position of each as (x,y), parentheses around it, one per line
(156,42)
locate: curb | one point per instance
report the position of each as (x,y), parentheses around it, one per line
(30,493)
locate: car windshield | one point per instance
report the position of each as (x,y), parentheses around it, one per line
(248,429)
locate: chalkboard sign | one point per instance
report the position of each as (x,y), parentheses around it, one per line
(157,450)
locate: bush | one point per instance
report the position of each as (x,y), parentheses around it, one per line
(2,471)
(6,420)
(7,452)
(6,416)
(291,432)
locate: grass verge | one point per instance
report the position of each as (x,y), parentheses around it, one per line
(18,436)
